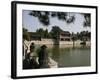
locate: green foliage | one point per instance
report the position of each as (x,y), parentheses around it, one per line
(25,34)
(40,32)
(74,36)
(44,16)
(43,33)
(55,32)
(59,15)
(46,33)
(84,35)
(71,19)
(87,21)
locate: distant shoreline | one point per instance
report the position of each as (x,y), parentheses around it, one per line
(63,44)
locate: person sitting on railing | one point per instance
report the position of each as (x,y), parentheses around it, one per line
(32,47)
(30,62)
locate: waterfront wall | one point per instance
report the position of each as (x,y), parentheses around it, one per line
(51,42)
(70,44)
(76,43)
(43,41)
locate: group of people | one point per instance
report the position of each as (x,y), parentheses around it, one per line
(42,56)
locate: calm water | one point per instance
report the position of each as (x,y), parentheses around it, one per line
(70,57)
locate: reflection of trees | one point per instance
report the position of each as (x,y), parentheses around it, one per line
(56,53)
(74,38)
(61,54)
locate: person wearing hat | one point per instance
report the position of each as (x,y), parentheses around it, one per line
(43,57)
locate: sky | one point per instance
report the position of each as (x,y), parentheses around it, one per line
(32,23)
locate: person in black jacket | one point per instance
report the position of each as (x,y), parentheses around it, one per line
(43,57)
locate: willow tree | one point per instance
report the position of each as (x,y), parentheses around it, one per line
(87,21)
(44,16)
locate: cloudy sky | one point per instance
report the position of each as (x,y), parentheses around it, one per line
(32,23)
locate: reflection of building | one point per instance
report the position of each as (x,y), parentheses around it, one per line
(65,36)
(34,36)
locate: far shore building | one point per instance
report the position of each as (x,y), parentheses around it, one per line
(34,36)
(85,38)
(65,36)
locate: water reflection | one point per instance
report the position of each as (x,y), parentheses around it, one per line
(56,53)
(69,56)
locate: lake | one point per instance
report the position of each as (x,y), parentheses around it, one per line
(69,56)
